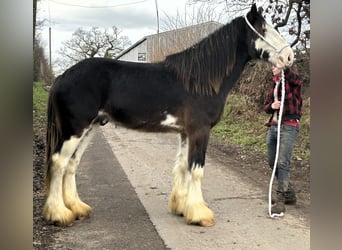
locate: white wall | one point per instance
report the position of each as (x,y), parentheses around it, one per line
(134,53)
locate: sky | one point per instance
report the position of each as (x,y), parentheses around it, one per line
(134,18)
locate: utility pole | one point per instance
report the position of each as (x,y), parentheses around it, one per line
(50,77)
(157,11)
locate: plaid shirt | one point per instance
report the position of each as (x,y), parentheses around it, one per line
(293,96)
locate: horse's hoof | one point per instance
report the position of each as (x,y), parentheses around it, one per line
(84,215)
(61,217)
(81,211)
(203,223)
(207,223)
(63,223)
(199,214)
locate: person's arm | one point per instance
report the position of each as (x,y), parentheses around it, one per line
(268,103)
(293,78)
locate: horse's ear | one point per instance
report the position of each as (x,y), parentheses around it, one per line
(253,14)
(260,10)
(254,10)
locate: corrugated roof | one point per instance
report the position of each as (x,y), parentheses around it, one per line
(165,33)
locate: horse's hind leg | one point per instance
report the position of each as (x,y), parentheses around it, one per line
(180,171)
(196,210)
(70,195)
(54,209)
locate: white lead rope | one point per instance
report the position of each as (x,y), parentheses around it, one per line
(277,149)
(279,118)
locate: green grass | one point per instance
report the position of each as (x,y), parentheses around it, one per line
(241,132)
(40,98)
(242,124)
(236,127)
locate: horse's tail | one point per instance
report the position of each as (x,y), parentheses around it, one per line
(53,136)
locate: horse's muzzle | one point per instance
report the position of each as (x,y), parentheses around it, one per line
(286,57)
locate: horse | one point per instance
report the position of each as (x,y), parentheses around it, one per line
(185,93)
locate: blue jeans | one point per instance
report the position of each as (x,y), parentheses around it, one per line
(288,135)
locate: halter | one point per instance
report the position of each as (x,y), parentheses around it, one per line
(263,38)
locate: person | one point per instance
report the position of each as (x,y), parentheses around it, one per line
(290,124)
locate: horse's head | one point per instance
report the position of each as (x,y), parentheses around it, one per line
(267,43)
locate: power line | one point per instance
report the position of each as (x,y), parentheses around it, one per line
(98,7)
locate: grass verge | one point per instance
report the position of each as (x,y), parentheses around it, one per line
(243,125)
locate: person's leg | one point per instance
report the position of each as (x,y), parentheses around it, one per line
(288,135)
(271,142)
(290,195)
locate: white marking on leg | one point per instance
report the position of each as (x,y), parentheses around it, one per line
(196,210)
(180,171)
(195,191)
(170,121)
(70,195)
(54,208)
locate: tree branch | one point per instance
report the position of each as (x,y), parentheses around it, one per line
(287,16)
(299,19)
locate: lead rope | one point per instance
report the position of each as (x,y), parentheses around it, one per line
(277,149)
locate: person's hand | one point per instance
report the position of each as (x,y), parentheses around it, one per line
(275,105)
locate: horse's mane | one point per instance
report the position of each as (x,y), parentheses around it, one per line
(203,66)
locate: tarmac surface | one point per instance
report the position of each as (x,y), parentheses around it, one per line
(126,177)
(119,220)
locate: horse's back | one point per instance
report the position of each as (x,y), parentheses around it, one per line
(79,93)
(130,93)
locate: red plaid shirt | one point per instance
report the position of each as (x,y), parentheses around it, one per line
(293,96)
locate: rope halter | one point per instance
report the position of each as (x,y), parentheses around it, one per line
(263,38)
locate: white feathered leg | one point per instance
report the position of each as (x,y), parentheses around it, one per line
(70,196)
(180,171)
(54,209)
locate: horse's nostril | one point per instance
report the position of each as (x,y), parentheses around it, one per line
(289,58)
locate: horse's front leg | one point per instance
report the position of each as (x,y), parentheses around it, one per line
(180,188)
(196,210)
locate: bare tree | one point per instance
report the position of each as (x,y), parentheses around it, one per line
(294,16)
(195,13)
(291,16)
(198,21)
(91,43)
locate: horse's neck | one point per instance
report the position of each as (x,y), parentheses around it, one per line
(230,81)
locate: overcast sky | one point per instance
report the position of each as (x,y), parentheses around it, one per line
(135,18)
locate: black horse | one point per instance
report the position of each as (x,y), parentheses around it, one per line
(185,94)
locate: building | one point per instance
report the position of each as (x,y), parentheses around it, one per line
(155,47)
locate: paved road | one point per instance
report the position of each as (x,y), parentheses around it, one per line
(129,189)
(119,220)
